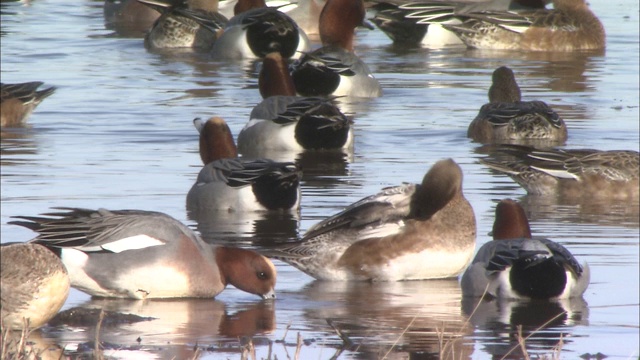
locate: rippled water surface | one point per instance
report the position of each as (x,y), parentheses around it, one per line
(118,134)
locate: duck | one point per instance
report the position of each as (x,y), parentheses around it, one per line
(17,101)
(571,173)
(404,22)
(405,232)
(506,117)
(139,254)
(334,69)
(187,25)
(256,30)
(130,17)
(286,122)
(516,266)
(230,183)
(34,283)
(569,26)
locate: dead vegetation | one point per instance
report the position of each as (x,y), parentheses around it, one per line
(16,344)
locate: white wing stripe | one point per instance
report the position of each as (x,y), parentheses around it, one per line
(132,243)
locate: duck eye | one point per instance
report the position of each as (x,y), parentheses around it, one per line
(262,275)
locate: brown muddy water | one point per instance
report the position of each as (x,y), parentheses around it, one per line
(118,134)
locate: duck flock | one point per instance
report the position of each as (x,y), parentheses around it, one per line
(412,231)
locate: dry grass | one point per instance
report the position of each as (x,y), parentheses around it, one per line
(97,351)
(399,337)
(298,347)
(446,343)
(555,353)
(248,349)
(557,349)
(15,344)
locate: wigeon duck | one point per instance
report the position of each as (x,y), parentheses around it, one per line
(405,23)
(285,122)
(571,173)
(257,30)
(230,183)
(406,232)
(130,17)
(17,101)
(34,285)
(506,117)
(334,69)
(515,266)
(569,26)
(192,24)
(145,254)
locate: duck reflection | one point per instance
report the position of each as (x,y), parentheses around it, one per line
(544,324)
(129,18)
(10,8)
(325,168)
(37,342)
(418,319)
(569,69)
(176,325)
(562,71)
(16,144)
(255,228)
(583,210)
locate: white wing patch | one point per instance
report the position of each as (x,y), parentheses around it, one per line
(132,243)
(515,28)
(563,174)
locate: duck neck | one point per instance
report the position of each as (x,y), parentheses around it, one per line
(275,78)
(207,5)
(338,21)
(216,142)
(245,5)
(504,87)
(226,259)
(511,222)
(564,5)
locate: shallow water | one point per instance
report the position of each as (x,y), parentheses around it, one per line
(118,134)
